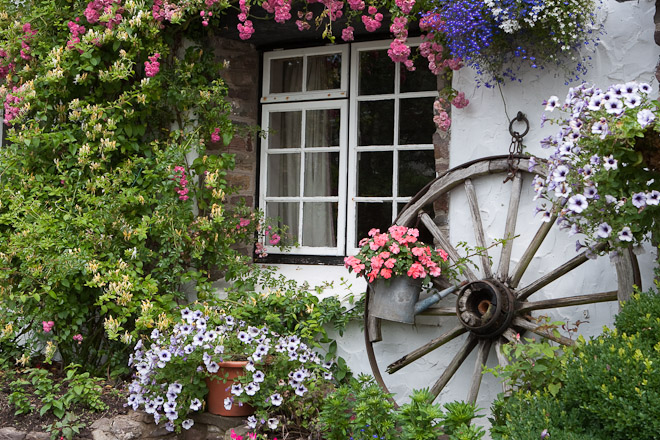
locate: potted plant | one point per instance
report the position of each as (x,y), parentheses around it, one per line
(176,366)
(396,264)
(603,178)
(497,38)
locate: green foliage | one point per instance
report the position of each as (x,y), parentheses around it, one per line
(535,365)
(362,410)
(50,396)
(610,386)
(105,212)
(66,428)
(419,418)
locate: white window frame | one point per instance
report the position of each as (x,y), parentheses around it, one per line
(304,95)
(354,149)
(340,199)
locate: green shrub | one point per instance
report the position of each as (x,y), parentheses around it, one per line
(641,315)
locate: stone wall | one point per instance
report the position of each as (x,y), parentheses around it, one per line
(241,75)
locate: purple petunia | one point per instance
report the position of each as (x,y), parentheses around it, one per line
(604,230)
(639,200)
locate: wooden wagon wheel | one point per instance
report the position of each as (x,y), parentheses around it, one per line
(499,285)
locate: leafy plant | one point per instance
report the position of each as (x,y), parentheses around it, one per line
(459,414)
(419,419)
(66,428)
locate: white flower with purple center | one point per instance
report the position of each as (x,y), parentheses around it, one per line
(639,200)
(276,399)
(188,349)
(258,376)
(171,396)
(614,107)
(164,355)
(186,329)
(206,358)
(293,355)
(610,199)
(142,368)
(195,404)
(210,336)
(134,401)
(187,424)
(213,367)
(150,407)
(610,163)
(198,339)
(595,102)
(261,350)
(253,331)
(273,422)
(250,366)
(219,349)
(327,375)
(653,198)
(169,406)
(230,321)
(280,347)
(600,127)
(303,358)
(169,425)
(244,337)
(645,88)
(546,216)
(201,323)
(604,230)
(551,103)
(590,192)
(187,315)
(228,402)
(630,87)
(159,401)
(625,234)
(301,390)
(197,314)
(562,190)
(560,173)
(252,422)
(251,389)
(237,389)
(632,100)
(155,334)
(575,229)
(645,117)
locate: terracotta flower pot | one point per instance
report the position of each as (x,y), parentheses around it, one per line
(219,390)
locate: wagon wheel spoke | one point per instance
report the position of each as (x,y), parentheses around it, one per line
(478,227)
(426,348)
(569,301)
(532,327)
(511,336)
(562,270)
(531,251)
(482,357)
(444,243)
(451,369)
(510,228)
(440,311)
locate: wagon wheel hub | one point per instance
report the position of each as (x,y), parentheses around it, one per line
(485,307)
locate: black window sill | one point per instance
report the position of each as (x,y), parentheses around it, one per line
(301,259)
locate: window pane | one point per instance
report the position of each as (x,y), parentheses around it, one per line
(322,128)
(376,73)
(286,75)
(416,121)
(375,172)
(416,169)
(324,72)
(286,214)
(321,174)
(424,235)
(320,224)
(419,80)
(376,123)
(283,175)
(284,130)
(372,215)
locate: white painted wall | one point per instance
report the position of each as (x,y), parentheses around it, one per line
(626,53)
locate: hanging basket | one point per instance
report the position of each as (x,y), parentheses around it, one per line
(219,390)
(394,299)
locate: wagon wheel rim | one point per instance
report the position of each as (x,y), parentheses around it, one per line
(502,284)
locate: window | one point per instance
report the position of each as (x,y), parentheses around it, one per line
(339,160)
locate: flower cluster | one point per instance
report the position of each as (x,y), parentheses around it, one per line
(182,182)
(396,252)
(603,174)
(152,67)
(168,373)
(498,37)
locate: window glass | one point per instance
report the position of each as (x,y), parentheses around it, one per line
(320,224)
(376,73)
(324,72)
(286,75)
(322,128)
(321,174)
(284,130)
(372,215)
(283,175)
(416,121)
(374,176)
(376,123)
(419,80)
(416,169)
(285,214)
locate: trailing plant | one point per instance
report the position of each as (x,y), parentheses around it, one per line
(498,38)
(603,175)
(66,428)
(171,366)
